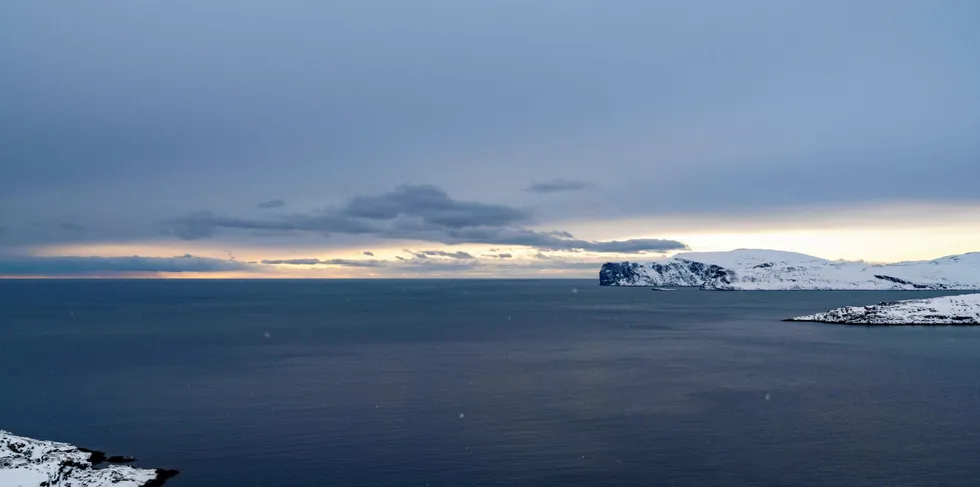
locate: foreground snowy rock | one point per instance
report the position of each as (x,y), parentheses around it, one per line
(945,310)
(26,462)
(772,270)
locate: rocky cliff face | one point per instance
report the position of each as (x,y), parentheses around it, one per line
(678,272)
(767,270)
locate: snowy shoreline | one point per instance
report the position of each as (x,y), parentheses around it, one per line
(27,462)
(961,310)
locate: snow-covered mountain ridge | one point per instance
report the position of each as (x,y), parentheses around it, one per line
(771,270)
(944,310)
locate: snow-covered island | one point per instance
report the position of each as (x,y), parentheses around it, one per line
(945,310)
(775,270)
(26,462)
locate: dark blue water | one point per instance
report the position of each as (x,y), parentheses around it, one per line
(318,383)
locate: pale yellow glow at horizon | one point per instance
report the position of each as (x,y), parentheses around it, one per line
(874,234)
(869,245)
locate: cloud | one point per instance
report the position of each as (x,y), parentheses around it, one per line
(68,266)
(423,213)
(557,185)
(432,205)
(441,253)
(197,225)
(368,253)
(71,227)
(292,261)
(353,263)
(334,262)
(276,203)
(546,241)
(409,266)
(632,246)
(504,256)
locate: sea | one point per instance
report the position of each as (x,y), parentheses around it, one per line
(487,382)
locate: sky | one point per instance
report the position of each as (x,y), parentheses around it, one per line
(514,138)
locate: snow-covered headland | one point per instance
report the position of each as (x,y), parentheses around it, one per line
(26,462)
(944,310)
(774,270)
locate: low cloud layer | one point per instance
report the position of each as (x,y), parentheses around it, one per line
(557,186)
(432,206)
(442,253)
(333,262)
(71,227)
(76,266)
(499,256)
(276,203)
(421,263)
(423,213)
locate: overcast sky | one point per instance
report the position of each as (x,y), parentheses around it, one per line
(351,138)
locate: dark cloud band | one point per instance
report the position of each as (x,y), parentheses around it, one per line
(276,203)
(422,213)
(557,186)
(333,262)
(71,266)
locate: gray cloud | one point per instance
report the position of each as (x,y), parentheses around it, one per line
(422,213)
(276,203)
(368,253)
(195,226)
(557,186)
(335,262)
(504,256)
(441,253)
(419,265)
(292,261)
(547,241)
(71,227)
(354,263)
(68,266)
(631,246)
(433,206)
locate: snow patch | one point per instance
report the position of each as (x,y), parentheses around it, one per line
(26,462)
(945,310)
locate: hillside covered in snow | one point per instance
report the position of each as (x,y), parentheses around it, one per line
(27,462)
(772,270)
(945,310)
